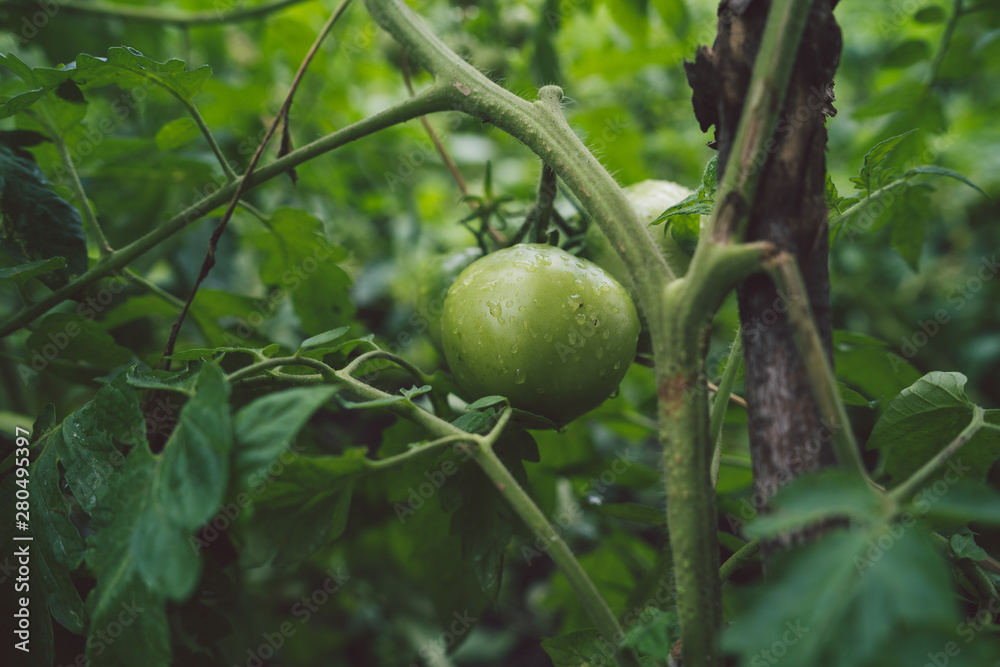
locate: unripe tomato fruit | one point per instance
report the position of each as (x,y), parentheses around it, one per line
(552,332)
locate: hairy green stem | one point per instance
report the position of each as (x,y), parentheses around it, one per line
(785,273)
(721,402)
(174,17)
(909,486)
(426,102)
(605,620)
(739,559)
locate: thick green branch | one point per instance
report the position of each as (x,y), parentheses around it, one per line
(170,16)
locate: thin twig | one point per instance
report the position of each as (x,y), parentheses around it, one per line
(209,260)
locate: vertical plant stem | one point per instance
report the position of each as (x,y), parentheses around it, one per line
(785,272)
(722,402)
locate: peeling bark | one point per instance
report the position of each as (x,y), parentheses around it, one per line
(787,436)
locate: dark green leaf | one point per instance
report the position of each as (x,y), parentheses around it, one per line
(128,68)
(964,545)
(269,424)
(323,338)
(25,272)
(960,502)
(194,470)
(121,593)
(925,417)
(300,260)
(475,422)
(317,489)
(831,195)
(812,499)
(909,224)
(180,381)
(74,338)
(863,587)
(37,224)
(906,54)
(874,163)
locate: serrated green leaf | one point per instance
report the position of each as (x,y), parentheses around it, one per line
(925,417)
(179,381)
(267,425)
(194,470)
(942,171)
(120,592)
(37,224)
(318,489)
(830,194)
(964,545)
(22,273)
(176,133)
(873,165)
(87,449)
(298,258)
(811,499)
(863,587)
(865,364)
(74,338)
(908,217)
(128,68)
(323,338)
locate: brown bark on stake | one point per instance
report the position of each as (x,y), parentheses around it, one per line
(787,435)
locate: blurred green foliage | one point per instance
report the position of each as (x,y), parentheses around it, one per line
(385,205)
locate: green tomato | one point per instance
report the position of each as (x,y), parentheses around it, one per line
(433,281)
(552,332)
(649,199)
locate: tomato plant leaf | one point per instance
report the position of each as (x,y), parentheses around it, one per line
(36,223)
(964,545)
(811,499)
(865,364)
(873,169)
(269,424)
(128,68)
(22,273)
(194,470)
(924,418)
(176,133)
(317,490)
(961,503)
(304,264)
(120,592)
(71,336)
(179,381)
(323,338)
(908,217)
(836,587)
